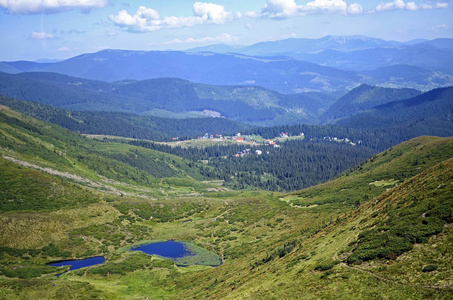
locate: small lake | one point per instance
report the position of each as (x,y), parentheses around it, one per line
(79,263)
(183,253)
(169,249)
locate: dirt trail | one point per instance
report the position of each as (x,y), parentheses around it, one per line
(77,178)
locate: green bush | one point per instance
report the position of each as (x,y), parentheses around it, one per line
(325,266)
(429,268)
(27,271)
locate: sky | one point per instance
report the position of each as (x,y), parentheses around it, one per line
(60,29)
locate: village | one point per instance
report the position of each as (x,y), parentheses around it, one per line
(256,140)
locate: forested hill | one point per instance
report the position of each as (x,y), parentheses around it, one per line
(124,124)
(362,98)
(167,97)
(428,113)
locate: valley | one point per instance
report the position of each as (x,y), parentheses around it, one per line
(265,240)
(271,177)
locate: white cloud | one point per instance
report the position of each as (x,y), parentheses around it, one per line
(50,6)
(280,8)
(411,6)
(212,13)
(288,8)
(222,38)
(441,5)
(64,49)
(325,6)
(41,36)
(147,19)
(355,9)
(250,15)
(399,4)
(147,13)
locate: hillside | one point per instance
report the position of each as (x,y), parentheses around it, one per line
(123,124)
(363,98)
(103,166)
(420,114)
(409,76)
(167,97)
(65,197)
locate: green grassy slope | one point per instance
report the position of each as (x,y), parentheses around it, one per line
(377,174)
(107,166)
(322,253)
(314,243)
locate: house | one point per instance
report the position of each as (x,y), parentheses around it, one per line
(239,139)
(258,152)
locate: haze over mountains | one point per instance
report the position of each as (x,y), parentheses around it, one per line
(288,66)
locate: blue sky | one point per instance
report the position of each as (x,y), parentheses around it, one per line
(59,29)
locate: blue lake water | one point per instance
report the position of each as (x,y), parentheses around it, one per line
(79,263)
(170,249)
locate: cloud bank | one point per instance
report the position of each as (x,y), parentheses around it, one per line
(289,8)
(401,5)
(27,7)
(147,19)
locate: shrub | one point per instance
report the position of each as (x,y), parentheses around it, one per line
(429,268)
(325,266)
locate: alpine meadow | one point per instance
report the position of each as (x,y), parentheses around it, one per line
(267,149)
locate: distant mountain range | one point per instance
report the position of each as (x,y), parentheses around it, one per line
(356,53)
(329,64)
(284,74)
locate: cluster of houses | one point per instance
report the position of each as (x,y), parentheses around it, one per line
(272,143)
(246,152)
(345,140)
(211,136)
(237,137)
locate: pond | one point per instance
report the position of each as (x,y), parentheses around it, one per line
(183,253)
(79,263)
(169,249)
